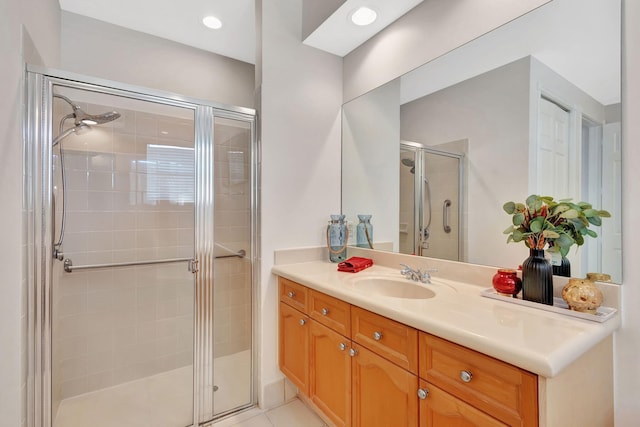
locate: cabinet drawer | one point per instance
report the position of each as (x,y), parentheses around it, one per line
(503,390)
(331,312)
(394,341)
(294,294)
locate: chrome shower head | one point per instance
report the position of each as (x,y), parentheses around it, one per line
(82,117)
(410,163)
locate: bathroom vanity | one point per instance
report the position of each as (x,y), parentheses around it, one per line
(374,349)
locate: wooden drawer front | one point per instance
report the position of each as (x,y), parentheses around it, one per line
(294,294)
(331,312)
(392,340)
(503,390)
(440,408)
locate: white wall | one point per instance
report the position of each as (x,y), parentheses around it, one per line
(300,118)
(370,143)
(99,49)
(627,368)
(32,37)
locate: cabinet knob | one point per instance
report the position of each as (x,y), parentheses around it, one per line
(291,294)
(377,336)
(342,346)
(353,352)
(324,311)
(466,376)
(302,322)
(423,393)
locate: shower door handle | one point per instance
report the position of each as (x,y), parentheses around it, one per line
(446,208)
(193,266)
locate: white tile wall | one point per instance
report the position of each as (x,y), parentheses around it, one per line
(118,325)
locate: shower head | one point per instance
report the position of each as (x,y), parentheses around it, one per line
(82,117)
(410,163)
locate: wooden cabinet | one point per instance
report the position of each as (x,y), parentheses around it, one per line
(383,393)
(439,408)
(507,392)
(330,373)
(365,370)
(294,346)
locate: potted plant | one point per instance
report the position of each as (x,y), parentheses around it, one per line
(541,222)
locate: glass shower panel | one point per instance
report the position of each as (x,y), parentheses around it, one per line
(122,295)
(407,230)
(232,285)
(441,206)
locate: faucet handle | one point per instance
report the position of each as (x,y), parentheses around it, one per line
(406,269)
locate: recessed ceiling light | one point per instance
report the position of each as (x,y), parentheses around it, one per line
(212,22)
(363,16)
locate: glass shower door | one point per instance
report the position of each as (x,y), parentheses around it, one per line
(431,197)
(232,284)
(122,300)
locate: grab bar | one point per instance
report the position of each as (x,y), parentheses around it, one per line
(445,216)
(193,263)
(69,267)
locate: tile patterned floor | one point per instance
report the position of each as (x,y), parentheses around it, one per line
(291,414)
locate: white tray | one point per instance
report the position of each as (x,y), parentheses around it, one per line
(559,306)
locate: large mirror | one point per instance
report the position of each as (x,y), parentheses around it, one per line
(530,107)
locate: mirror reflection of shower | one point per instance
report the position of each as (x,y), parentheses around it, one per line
(82,122)
(431,178)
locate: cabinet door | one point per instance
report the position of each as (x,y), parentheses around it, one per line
(383,394)
(330,373)
(440,409)
(294,347)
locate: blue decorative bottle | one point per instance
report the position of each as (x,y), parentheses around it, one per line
(364,232)
(337,238)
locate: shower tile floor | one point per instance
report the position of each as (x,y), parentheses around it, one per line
(162,400)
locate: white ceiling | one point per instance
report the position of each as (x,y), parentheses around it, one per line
(180,21)
(338,35)
(561,21)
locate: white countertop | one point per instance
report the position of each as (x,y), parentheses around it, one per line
(539,341)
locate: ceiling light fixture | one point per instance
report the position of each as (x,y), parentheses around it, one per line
(363,16)
(212,22)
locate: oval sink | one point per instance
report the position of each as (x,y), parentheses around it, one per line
(391,287)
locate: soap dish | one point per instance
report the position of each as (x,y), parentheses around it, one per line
(559,306)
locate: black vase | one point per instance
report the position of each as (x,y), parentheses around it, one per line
(537,278)
(564,269)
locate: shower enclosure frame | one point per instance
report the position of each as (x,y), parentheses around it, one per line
(38,247)
(419,191)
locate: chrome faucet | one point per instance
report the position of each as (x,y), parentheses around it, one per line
(417,275)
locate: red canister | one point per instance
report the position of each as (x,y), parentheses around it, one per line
(506,282)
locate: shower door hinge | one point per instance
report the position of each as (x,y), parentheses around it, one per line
(193,266)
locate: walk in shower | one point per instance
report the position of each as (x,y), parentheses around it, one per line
(141,255)
(431,201)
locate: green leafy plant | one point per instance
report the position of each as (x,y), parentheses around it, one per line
(542,221)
